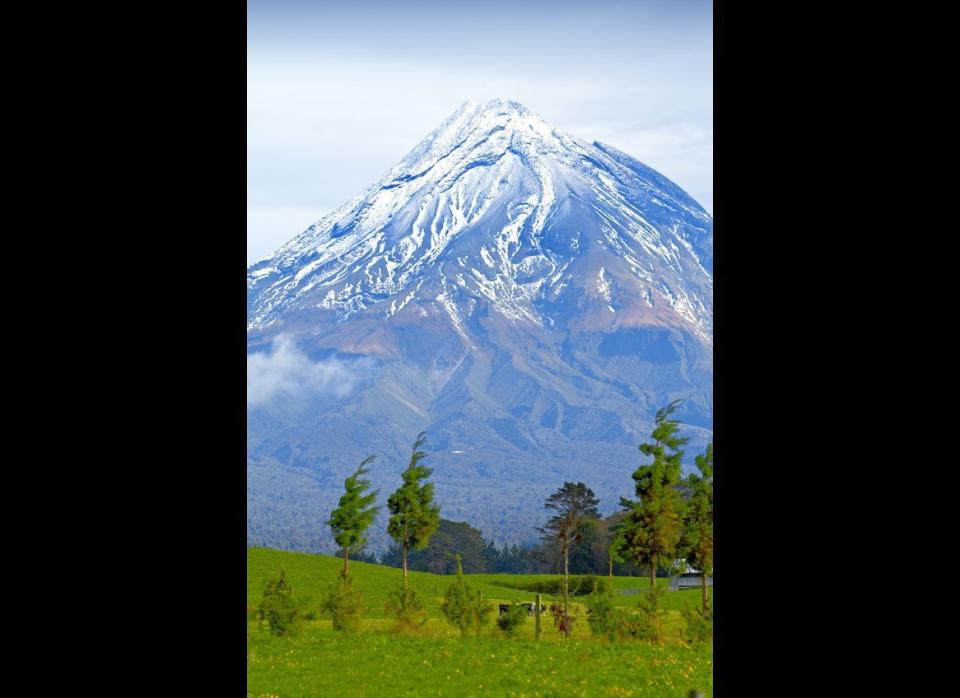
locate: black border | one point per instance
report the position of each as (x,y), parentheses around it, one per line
(163,322)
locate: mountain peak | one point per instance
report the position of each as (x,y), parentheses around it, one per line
(495,105)
(497,115)
(497,207)
(500,105)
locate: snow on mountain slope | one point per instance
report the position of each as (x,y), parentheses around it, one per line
(497,205)
(527,298)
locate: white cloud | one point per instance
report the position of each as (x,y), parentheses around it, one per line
(286,370)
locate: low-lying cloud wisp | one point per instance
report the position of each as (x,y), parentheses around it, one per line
(287,370)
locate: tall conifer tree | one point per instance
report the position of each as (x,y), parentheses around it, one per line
(351,519)
(654,524)
(414,516)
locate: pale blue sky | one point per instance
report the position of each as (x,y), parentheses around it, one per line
(337,93)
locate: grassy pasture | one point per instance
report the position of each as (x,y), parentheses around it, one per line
(438,662)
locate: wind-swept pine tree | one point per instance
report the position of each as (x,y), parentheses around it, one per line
(575,505)
(697,541)
(654,524)
(413,515)
(351,519)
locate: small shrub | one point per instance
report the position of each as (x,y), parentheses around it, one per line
(602,616)
(511,621)
(279,607)
(698,624)
(463,607)
(652,616)
(343,604)
(629,626)
(406,609)
(611,621)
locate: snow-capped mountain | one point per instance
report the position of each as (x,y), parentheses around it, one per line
(528,298)
(497,206)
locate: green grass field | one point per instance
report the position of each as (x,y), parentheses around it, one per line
(321,662)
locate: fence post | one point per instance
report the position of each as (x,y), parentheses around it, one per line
(537,617)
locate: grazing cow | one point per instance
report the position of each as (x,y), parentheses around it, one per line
(531,607)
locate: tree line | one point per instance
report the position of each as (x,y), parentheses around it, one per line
(479,555)
(669,521)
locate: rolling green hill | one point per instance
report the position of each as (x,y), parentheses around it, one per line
(310,574)
(374,662)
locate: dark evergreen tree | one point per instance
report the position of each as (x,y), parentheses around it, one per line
(574,504)
(464,540)
(491,557)
(439,556)
(351,519)
(414,516)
